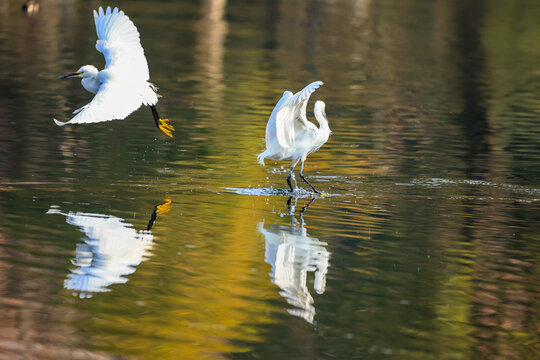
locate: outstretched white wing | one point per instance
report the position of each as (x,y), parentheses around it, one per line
(118,40)
(293,113)
(112,101)
(271,125)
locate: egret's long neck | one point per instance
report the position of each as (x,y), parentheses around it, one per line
(90,82)
(321,119)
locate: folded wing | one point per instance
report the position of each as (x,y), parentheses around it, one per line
(293,113)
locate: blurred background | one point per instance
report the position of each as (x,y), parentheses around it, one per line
(117,242)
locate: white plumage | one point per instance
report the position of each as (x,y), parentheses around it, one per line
(290,135)
(122,87)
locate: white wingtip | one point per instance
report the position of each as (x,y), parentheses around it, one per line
(316,84)
(59,123)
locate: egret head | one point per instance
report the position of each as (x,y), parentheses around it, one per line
(84,72)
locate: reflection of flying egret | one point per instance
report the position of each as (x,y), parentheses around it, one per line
(122,87)
(111,250)
(292,254)
(289,134)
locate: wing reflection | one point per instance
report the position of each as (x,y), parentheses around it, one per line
(112,249)
(292,254)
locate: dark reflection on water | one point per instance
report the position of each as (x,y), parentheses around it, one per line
(473,117)
(432,222)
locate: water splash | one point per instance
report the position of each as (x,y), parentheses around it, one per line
(298,193)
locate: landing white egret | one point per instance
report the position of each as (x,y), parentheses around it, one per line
(122,87)
(289,134)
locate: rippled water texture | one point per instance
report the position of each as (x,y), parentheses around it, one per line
(117,242)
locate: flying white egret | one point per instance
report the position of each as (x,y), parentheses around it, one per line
(289,134)
(122,87)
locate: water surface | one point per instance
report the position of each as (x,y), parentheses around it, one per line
(118,242)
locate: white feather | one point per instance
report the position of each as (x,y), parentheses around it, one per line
(292,114)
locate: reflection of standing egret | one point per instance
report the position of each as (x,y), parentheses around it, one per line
(122,87)
(289,134)
(292,254)
(111,250)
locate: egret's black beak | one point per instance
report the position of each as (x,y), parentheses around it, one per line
(70,75)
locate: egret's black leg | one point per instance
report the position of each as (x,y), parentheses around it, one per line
(291,176)
(303,178)
(162,124)
(155,114)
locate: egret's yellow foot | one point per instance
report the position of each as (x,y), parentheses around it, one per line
(165,127)
(165,207)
